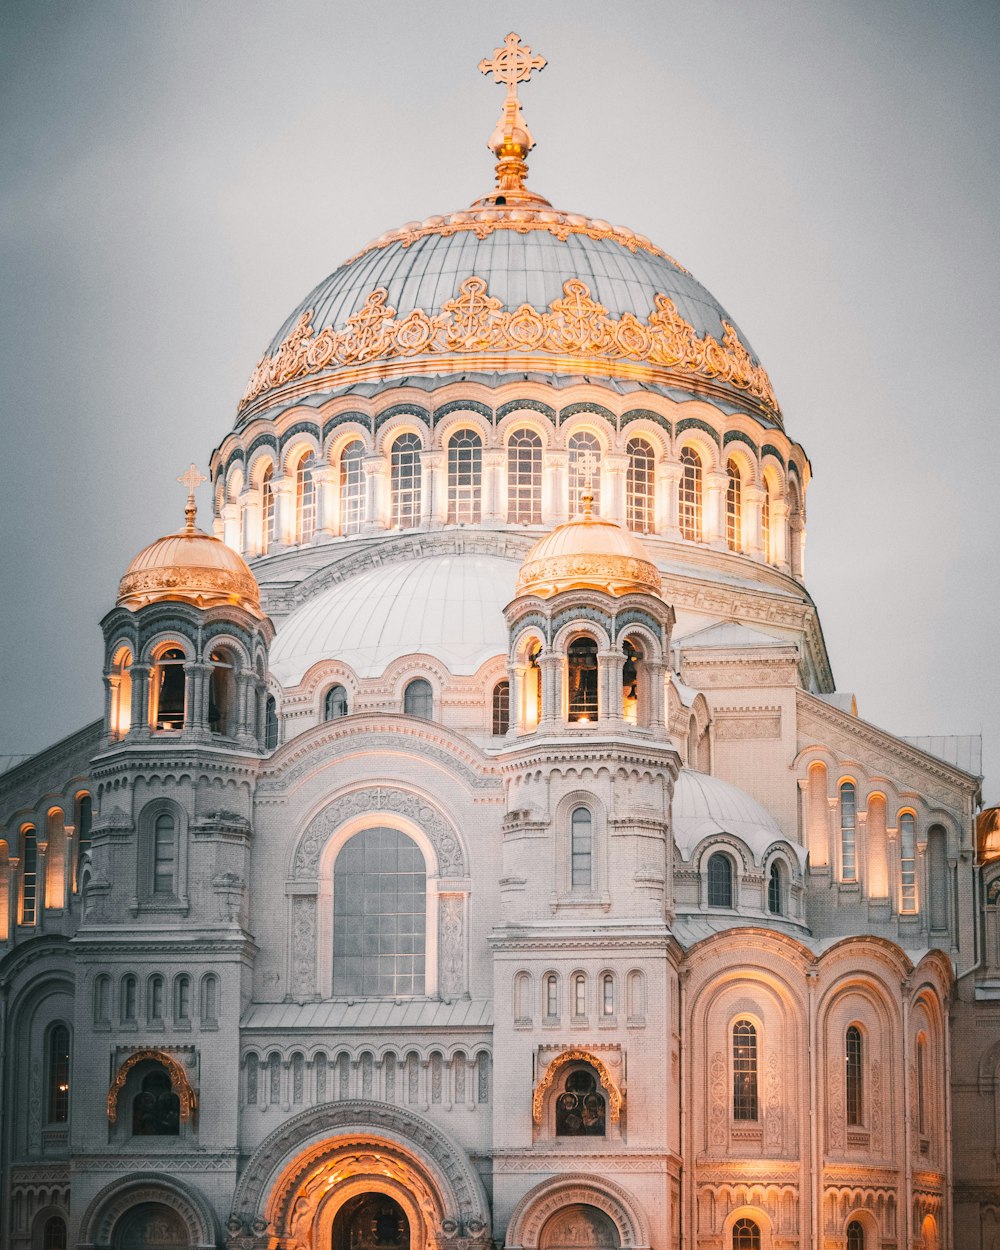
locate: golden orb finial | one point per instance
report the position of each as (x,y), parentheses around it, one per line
(192,479)
(511,140)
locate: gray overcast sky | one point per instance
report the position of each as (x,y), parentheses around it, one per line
(175,176)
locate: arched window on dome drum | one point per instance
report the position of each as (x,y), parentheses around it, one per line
(465,478)
(584,471)
(222,693)
(734,507)
(640,486)
(164,855)
(167,689)
(54,1234)
(418,699)
(848,832)
(29,875)
(335,703)
(305,498)
(582,671)
(404,461)
(855,1076)
(268,532)
(855,1236)
(121,694)
(270,723)
(746,1235)
(379,916)
(352,487)
(501,708)
(58,1075)
(720,880)
(689,495)
(524,478)
(774,890)
(630,681)
(744,1071)
(907,862)
(765,522)
(582,849)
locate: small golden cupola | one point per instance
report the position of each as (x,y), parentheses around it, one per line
(190,566)
(588,552)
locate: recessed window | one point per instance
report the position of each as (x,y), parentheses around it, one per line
(270,723)
(121,693)
(167,690)
(579,995)
(154,999)
(182,999)
(84,823)
(268,514)
(501,708)
(607,994)
(465,472)
(907,862)
(630,682)
(689,495)
(335,703)
(551,994)
(29,875)
(54,1234)
(746,1235)
(582,673)
(164,855)
(855,1076)
(418,699)
(352,487)
(774,890)
(640,486)
(765,524)
(524,478)
(305,498)
(848,832)
(405,473)
(222,693)
(129,998)
(720,880)
(744,1071)
(855,1236)
(734,506)
(58,1082)
(582,848)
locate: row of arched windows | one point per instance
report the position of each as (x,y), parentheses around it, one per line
(586,996)
(720,884)
(62,866)
(526,501)
(156,1000)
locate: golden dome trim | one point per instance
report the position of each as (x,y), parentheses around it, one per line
(574,325)
(189,567)
(588,552)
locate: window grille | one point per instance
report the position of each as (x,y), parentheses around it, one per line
(720,880)
(690,495)
(501,707)
(524,478)
(352,488)
(907,863)
(405,469)
(465,474)
(640,486)
(746,1235)
(855,1236)
(584,471)
(855,1076)
(848,832)
(418,699)
(29,875)
(734,507)
(582,838)
(335,703)
(305,499)
(744,1071)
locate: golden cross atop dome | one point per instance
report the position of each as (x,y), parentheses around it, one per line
(587,464)
(511,140)
(192,479)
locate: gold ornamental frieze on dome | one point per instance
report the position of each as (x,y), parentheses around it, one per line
(616,573)
(574,325)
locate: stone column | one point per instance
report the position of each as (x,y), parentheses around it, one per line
(714,510)
(433,490)
(614,472)
(231,525)
(196,679)
(283,490)
(555,489)
(377,502)
(655,690)
(140,699)
(326,480)
(515,675)
(779,534)
(253,511)
(609,689)
(494,486)
(668,474)
(753,507)
(551,665)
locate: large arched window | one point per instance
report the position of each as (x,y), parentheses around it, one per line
(848,831)
(352,487)
(907,862)
(164,858)
(689,495)
(720,880)
(774,890)
(921,1085)
(584,470)
(855,1076)
(222,693)
(268,515)
(640,486)
(29,875)
(855,1236)
(524,478)
(270,723)
(581,849)
(58,1075)
(734,506)
(418,699)
(465,475)
(167,689)
(744,1071)
(746,1235)
(379,916)
(54,1233)
(405,474)
(335,703)
(305,498)
(582,673)
(501,707)
(120,719)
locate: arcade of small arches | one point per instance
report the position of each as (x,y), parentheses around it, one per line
(49,861)
(693,482)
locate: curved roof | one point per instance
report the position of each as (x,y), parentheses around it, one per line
(189,566)
(704,805)
(447,606)
(588,551)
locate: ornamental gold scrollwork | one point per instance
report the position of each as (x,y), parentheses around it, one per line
(178,1082)
(616,1096)
(575,325)
(182,577)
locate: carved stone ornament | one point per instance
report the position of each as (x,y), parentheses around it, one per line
(616,1096)
(178,1082)
(575,325)
(450,859)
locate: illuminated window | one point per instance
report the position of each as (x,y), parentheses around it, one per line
(418,699)
(584,471)
(580,1107)
(532,705)
(524,478)
(744,1071)
(465,473)
(581,848)
(907,862)
(335,703)
(222,693)
(54,1233)
(501,707)
(379,916)
(855,1076)
(270,723)
(690,495)
(167,690)
(404,461)
(746,1235)
(720,880)
(121,693)
(164,855)
(352,488)
(58,1082)
(774,890)
(29,875)
(305,498)
(848,832)
(129,998)
(582,670)
(268,515)
(640,486)
(855,1236)
(630,681)
(765,522)
(607,994)
(551,995)
(734,507)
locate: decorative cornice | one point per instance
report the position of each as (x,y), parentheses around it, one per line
(574,326)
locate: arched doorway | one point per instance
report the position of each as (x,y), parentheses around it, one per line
(371,1221)
(151,1226)
(579,1227)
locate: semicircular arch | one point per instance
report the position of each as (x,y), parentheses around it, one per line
(545,1199)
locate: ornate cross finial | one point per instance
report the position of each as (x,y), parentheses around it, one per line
(587,464)
(511,141)
(192,479)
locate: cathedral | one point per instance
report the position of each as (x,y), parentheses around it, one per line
(475,851)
